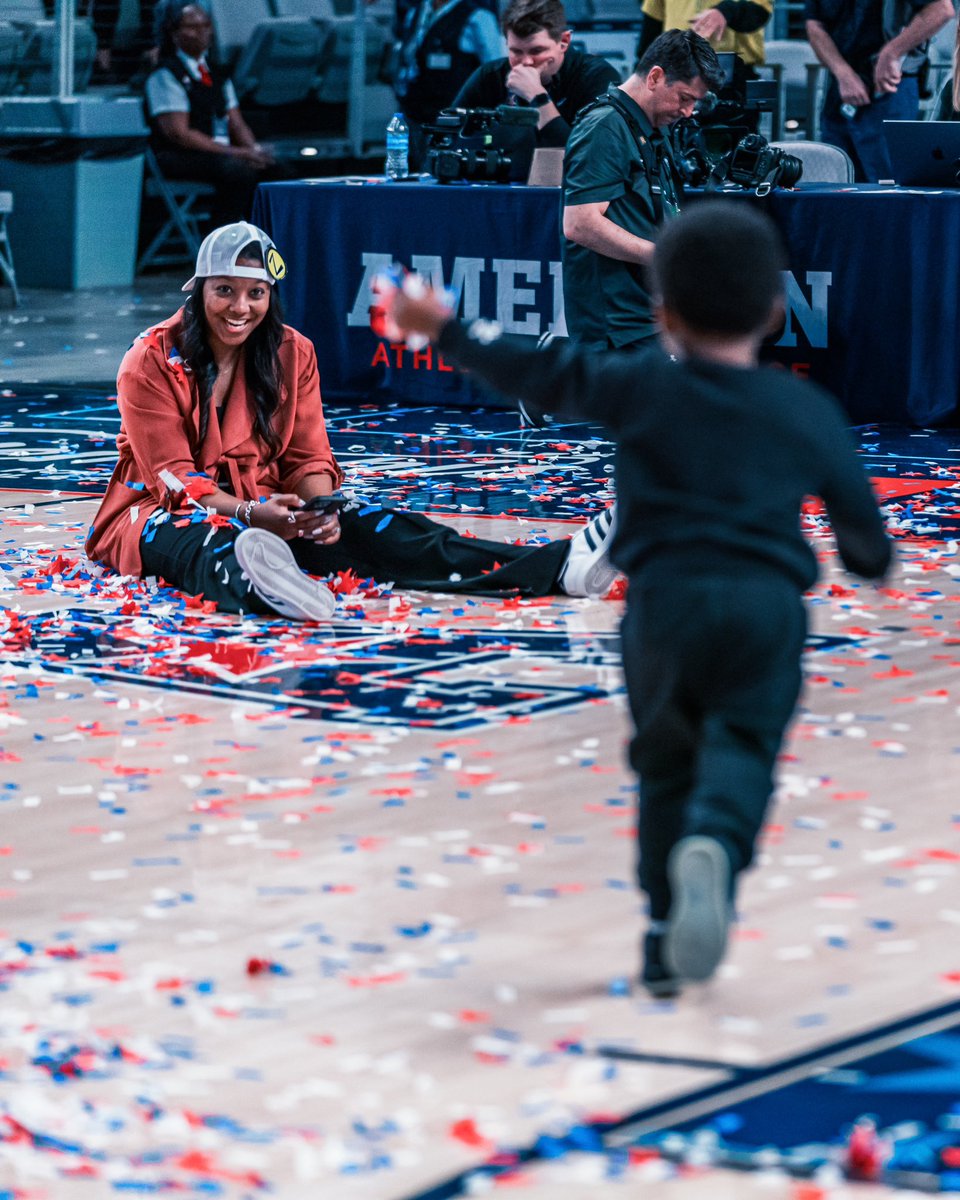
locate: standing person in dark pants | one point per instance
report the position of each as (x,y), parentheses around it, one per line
(875,51)
(222,448)
(541,71)
(715,457)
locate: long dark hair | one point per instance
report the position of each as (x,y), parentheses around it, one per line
(263,373)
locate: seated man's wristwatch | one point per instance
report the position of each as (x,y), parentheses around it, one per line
(540,100)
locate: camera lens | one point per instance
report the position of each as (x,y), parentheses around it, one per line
(791,168)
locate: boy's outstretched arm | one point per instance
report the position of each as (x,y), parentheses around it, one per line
(862,541)
(560,378)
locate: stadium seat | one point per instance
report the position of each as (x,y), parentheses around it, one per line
(333,86)
(579,13)
(235,22)
(6,254)
(23,10)
(616,11)
(37,67)
(333,77)
(821,163)
(380,11)
(184,204)
(618,47)
(797,71)
(279,64)
(941,65)
(11,44)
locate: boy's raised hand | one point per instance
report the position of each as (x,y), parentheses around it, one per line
(409,311)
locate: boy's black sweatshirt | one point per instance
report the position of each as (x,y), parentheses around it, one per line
(713,462)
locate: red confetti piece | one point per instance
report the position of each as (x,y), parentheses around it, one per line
(466,1131)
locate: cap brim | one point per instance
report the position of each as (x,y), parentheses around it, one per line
(235,273)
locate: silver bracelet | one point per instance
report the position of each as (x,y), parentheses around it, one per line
(243,511)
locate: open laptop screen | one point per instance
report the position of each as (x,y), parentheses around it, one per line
(924,153)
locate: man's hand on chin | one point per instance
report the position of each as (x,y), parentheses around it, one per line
(524,82)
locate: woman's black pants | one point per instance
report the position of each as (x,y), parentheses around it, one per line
(386,545)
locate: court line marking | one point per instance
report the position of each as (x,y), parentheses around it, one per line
(741,1083)
(750,1082)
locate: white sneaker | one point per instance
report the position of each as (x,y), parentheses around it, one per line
(268,562)
(588,570)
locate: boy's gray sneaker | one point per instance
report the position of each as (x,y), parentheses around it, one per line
(696,934)
(268,562)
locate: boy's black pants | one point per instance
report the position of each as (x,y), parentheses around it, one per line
(387,545)
(712,662)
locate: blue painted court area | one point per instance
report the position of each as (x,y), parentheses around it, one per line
(480,462)
(446,461)
(909,1091)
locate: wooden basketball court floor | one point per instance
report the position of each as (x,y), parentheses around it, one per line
(349,911)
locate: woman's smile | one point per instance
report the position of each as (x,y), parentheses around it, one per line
(234,307)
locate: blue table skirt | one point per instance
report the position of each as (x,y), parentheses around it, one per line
(873,288)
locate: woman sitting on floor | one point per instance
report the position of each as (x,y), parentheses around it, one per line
(222,443)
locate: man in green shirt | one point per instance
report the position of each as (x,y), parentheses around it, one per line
(620,183)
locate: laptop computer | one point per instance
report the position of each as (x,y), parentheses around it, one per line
(924,153)
(546,170)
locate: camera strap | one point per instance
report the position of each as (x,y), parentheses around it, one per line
(658,166)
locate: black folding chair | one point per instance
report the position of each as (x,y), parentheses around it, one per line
(186,203)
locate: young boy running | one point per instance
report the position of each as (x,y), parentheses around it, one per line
(715,456)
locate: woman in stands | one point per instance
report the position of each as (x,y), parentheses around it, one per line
(196,127)
(223,446)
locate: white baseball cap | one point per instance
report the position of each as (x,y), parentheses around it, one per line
(220,249)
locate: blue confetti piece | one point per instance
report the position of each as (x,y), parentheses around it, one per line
(384,522)
(414,931)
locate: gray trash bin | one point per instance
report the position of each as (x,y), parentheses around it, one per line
(75,167)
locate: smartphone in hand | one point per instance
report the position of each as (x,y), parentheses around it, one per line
(327,504)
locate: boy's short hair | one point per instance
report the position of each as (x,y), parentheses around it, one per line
(524,18)
(682,55)
(718,267)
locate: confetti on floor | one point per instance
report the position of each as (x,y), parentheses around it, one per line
(288,910)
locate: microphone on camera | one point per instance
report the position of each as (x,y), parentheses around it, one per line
(517,115)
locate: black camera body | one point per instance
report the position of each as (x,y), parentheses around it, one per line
(754,163)
(481,145)
(720,143)
(751,163)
